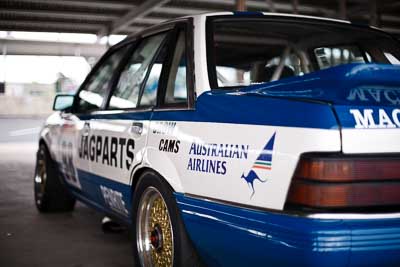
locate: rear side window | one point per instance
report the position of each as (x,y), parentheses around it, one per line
(133,76)
(176,91)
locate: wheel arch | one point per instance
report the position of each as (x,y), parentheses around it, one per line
(143,169)
(43,142)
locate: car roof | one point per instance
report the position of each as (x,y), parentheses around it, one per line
(268,14)
(247,14)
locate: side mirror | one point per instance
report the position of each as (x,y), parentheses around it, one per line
(63,102)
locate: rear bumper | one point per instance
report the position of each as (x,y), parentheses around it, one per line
(232,236)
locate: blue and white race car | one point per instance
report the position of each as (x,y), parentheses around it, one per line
(237,139)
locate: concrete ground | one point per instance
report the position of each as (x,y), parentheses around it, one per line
(28,238)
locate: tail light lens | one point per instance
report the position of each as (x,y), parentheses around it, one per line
(335,182)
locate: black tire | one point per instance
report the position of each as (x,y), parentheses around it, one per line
(183,251)
(50,193)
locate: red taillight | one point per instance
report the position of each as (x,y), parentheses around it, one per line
(344,182)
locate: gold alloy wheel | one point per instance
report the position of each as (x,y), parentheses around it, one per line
(40,177)
(154,231)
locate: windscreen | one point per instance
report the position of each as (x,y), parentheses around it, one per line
(244,51)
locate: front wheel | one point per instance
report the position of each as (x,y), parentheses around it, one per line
(159,233)
(50,194)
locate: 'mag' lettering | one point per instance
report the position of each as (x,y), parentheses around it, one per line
(365,118)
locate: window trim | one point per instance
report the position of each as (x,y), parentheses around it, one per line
(189,104)
(125,61)
(173,27)
(166,42)
(134,41)
(123,65)
(134,44)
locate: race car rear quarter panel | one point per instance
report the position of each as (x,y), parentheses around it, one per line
(225,235)
(241,149)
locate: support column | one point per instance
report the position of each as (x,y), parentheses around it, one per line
(4,55)
(374,19)
(241,5)
(342,9)
(295,4)
(271,6)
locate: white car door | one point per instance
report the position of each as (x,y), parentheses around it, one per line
(123,127)
(75,145)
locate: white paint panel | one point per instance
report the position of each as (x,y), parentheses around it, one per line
(371,140)
(121,129)
(200,56)
(202,83)
(290,143)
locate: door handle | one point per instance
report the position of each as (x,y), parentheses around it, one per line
(65,116)
(86,129)
(136,128)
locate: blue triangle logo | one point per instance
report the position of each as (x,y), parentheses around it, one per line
(262,165)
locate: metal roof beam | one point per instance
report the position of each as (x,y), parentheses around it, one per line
(45,26)
(263,5)
(150,20)
(23,47)
(110,5)
(395,31)
(133,15)
(58,14)
(182,11)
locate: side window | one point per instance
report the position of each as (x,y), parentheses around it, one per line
(127,91)
(176,92)
(92,95)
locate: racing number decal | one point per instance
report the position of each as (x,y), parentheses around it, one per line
(67,162)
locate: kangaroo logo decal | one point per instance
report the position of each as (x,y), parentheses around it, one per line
(262,165)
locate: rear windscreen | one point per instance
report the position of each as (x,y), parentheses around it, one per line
(245,51)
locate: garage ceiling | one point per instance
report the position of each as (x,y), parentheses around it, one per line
(104,17)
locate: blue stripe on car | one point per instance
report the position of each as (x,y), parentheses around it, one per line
(91,193)
(217,107)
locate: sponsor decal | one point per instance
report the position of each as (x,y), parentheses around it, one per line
(368,119)
(168,145)
(261,167)
(108,150)
(164,127)
(211,158)
(378,95)
(114,200)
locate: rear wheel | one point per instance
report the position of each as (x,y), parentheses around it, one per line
(159,233)
(50,193)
